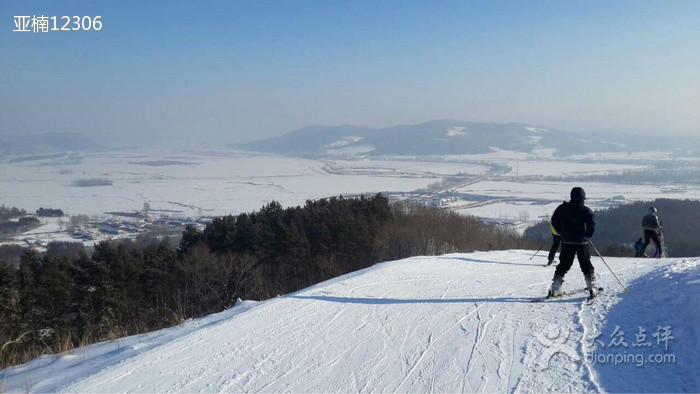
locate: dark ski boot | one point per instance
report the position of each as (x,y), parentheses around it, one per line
(591,286)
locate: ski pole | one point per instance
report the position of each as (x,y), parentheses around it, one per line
(538,250)
(606,264)
(663,242)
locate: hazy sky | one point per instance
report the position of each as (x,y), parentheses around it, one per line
(238,71)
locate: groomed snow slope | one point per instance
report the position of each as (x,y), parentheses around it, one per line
(453,323)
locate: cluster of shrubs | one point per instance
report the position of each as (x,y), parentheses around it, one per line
(15,226)
(89,182)
(8,224)
(49,212)
(67,298)
(7,213)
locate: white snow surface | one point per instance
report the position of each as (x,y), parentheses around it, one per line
(452,323)
(344,141)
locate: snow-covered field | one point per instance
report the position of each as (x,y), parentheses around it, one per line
(409,167)
(200,182)
(191,182)
(595,191)
(452,323)
(513,210)
(536,200)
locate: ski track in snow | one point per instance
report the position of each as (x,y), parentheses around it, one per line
(452,323)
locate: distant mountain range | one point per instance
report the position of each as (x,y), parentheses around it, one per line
(45,143)
(448,137)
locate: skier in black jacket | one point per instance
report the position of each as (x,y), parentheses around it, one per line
(652,229)
(575,223)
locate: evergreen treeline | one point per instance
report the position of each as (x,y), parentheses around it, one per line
(49,212)
(67,298)
(7,213)
(22,224)
(7,223)
(622,225)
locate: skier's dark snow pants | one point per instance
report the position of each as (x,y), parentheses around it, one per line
(566,259)
(555,245)
(653,235)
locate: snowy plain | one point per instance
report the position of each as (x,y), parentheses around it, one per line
(452,323)
(187,181)
(538,199)
(199,183)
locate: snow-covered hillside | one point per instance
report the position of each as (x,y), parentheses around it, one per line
(453,323)
(456,137)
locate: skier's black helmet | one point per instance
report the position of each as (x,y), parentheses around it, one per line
(652,210)
(578,194)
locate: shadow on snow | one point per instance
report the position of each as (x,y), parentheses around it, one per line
(470,300)
(487,261)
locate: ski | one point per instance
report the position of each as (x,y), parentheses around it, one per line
(566,295)
(591,298)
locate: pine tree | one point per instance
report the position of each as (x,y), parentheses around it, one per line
(189,238)
(56,288)
(9,300)
(27,273)
(90,295)
(157,281)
